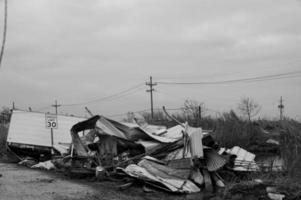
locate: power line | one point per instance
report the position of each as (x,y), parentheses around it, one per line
(43,108)
(123,114)
(252,79)
(110,97)
(4,31)
(141,111)
(123,95)
(171,96)
(107,98)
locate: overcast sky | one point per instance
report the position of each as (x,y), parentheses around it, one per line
(76,51)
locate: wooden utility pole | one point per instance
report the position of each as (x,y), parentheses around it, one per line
(14,105)
(151,90)
(281,108)
(200,112)
(4,31)
(200,115)
(56,106)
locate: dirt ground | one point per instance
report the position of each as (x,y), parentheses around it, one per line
(19,182)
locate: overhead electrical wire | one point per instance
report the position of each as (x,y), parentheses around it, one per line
(43,108)
(4,32)
(141,111)
(110,97)
(252,79)
(124,114)
(139,86)
(123,95)
(170,95)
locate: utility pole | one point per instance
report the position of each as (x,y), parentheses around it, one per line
(151,90)
(281,108)
(14,105)
(4,31)
(200,112)
(56,106)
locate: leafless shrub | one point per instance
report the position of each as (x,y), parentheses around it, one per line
(193,108)
(248,107)
(3,136)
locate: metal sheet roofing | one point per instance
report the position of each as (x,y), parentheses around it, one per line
(29,128)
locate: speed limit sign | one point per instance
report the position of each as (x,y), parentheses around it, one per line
(51,121)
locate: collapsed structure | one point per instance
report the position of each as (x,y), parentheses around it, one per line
(180,159)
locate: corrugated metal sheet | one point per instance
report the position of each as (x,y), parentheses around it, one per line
(29,128)
(196,145)
(109,128)
(214,160)
(244,160)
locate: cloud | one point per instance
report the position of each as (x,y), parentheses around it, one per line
(75,50)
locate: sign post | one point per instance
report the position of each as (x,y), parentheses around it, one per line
(51,123)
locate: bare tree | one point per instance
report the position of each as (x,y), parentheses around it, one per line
(194,108)
(248,107)
(5,115)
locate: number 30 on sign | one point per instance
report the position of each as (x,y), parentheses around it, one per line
(51,121)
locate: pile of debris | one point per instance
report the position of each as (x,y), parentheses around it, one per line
(180,159)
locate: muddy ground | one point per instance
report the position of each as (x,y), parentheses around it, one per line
(19,182)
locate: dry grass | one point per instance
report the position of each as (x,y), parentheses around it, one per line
(232,131)
(3,136)
(291,148)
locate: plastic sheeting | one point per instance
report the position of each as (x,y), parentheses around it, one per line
(48,165)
